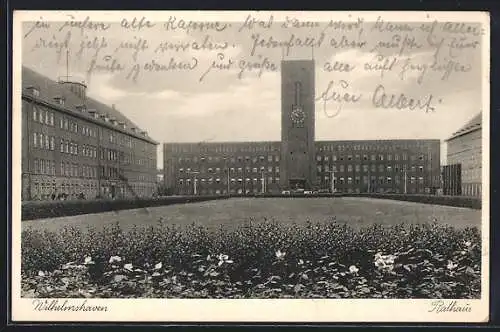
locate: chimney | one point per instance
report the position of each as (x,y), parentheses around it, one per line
(134,129)
(144,133)
(59,100)
(122,124)
(33,90)
(113,121)
(81,108)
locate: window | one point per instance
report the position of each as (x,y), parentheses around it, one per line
(349,168)
(357,168)
(52,143)
(47,142)
(67,147)
(36,166)
(365,168)
(35,139)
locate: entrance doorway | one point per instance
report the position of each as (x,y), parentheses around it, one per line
(296,184)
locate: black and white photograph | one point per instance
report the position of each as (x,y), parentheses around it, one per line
(217,166)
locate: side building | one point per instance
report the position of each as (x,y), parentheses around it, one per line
(464,151)
(76,147)
(383,166)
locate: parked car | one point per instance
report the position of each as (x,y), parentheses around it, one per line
(308,192)
(285,192)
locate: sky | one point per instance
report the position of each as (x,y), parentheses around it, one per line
(174,106)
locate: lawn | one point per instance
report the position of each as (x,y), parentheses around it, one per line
(356,212)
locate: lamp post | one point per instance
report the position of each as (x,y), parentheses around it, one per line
(228,183)
(405,178)
(263,182)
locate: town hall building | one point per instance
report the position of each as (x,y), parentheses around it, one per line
(298,161)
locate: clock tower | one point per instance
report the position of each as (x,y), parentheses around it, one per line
(297,125)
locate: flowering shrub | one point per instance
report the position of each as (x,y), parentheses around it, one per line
(254,260)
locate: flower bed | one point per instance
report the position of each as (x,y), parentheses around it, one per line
(255,260)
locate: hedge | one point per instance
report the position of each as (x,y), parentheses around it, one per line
(253,260)
(456,201)
(53,209)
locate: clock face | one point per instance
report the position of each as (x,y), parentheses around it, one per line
(298,116)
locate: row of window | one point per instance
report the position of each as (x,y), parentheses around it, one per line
(233,160)
(49,190)
(218,170)
(392,146)
(232,181)
(42,166)
(43,141)
(381,180)
(372,157)
(367,168)
(74,170)
(221,148)
(341,180)
(46,117)
(276,158)
(321,147)
(68,147)
(89,151)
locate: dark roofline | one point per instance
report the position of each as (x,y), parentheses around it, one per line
(470,126)
(88,118)
(46,84)
(458,134)
(432,140)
